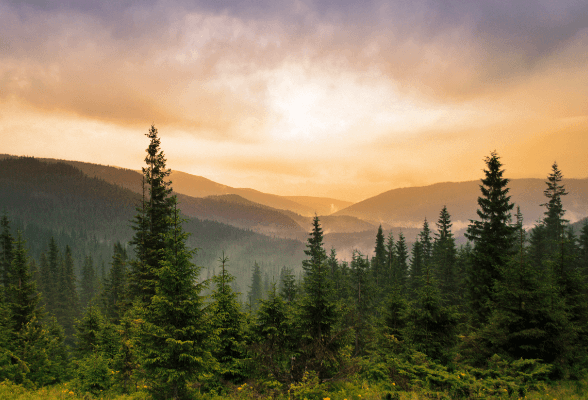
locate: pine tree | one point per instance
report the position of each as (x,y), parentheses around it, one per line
(390,261)
(528,320)
(288,288)
(175,336)
(23,292)
(379,260)
(430,324)
(256,289)
(554,222)
(227,321)
(67,297)
(492,236)
(273,337)
(444,257)
(426,243)
(317,308)
(417,268)
(151,223)
(400,266)
(115,285)
(51,285)
(88,283)
(361,289)
(6,253)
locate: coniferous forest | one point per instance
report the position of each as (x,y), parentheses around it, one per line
(504,315)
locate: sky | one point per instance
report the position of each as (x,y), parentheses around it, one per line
(341,99)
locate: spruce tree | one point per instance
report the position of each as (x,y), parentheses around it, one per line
(115,285)
(87,283)
(390,261)
(417,268)
(400,266)
(430,324)
(426,243)
(273,342)
(175,344)
(379,260)
(288,287)
(444,257)
(528,320)
(492,236)
(67,297)
(256,288)
(151,224)
(23,292)
(553,221)
(6,253)
(51,285)
(227,321)
(362,291)
(318,311)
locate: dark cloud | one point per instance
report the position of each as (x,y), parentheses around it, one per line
(123,51)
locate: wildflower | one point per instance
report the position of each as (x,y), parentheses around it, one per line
(239,388)
(326,398)
(71,393)
(393,384)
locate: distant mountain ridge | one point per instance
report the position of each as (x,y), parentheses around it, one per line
(408,207)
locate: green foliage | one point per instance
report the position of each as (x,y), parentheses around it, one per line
(492,236)
(94,374)
(227,323)
(175,340)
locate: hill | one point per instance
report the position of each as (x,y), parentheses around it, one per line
(89,214)
(408,207)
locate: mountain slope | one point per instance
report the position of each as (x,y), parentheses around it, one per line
(409,206)
(59,200)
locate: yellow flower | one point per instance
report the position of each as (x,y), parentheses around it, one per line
(239,388)
(71,393)
(326,398)
(393,384)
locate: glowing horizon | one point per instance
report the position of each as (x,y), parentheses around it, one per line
(304,98)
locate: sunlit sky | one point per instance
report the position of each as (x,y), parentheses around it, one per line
(343,99)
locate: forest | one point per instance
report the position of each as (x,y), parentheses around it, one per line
(503,316)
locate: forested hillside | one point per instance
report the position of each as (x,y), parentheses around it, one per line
(90,215)
(502,316)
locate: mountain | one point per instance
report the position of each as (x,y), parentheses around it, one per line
(408,207)
(90,215)
(198,186)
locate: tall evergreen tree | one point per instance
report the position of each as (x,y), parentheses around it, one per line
(273,337)
(23,290)
(426,243)
(287,285)
(175,337)
(318,311)
(400,266)
(227,321)
(444,257)
(417,268)
(492,236)
(379,260)
(528,320)
(67,297)
(115,284)
(151,223)
(88,284)
(6,253)
(361,290)
(256,288)
(553,221)
(51,285)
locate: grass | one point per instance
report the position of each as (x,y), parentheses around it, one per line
(567,390)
